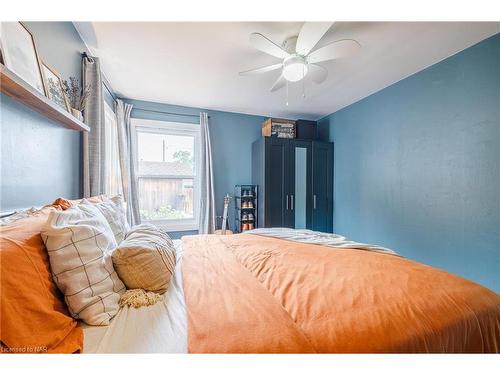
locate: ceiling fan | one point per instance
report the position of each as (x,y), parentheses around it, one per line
(299,61)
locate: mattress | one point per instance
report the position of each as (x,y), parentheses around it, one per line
(161,328)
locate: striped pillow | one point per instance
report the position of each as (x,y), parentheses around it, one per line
(79,242)
(145,259)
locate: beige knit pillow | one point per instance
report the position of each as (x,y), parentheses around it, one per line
(145,259)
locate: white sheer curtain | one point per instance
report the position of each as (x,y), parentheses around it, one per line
(112,169)
(207,200)
(128,164)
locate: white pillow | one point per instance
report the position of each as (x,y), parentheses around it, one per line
(114,213)
(80,242)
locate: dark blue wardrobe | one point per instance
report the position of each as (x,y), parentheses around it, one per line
(295,179)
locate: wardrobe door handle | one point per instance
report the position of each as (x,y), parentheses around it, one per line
(287,201)
(314,201)
(291,196)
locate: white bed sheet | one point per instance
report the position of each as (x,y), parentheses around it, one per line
(161,328)
(318,238)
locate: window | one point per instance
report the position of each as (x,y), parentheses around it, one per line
(112,174)
(168,175)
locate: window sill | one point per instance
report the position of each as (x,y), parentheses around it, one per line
(173,227)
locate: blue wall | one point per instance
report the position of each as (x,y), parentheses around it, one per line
(417,165)
(41,159)
(231,134)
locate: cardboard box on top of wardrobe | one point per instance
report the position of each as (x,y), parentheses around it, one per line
(283,128)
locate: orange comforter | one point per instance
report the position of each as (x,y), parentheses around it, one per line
(253,294)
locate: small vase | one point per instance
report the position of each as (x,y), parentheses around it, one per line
(78,114)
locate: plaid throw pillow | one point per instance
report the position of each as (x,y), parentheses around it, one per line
(79,242)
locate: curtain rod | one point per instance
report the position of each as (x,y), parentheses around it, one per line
(84,54)
(165,112)
(108,89)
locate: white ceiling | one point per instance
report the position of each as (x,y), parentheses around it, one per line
(196,64)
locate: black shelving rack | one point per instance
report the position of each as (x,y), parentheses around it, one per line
(246,206)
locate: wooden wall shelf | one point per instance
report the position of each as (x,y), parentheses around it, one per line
(14,86)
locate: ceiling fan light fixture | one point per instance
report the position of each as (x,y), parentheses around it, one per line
(300,59)
(294,68)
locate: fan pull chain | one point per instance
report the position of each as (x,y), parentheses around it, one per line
(303,84)
(287,93)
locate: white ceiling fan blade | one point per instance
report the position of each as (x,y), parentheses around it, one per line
(265,45)
(309,36)
(280,82)
(263,69)
(317,73)
(335,50)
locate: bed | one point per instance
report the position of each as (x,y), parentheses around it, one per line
(278,292)
(264,291)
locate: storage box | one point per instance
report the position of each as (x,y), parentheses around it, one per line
(280,128)
(306,129)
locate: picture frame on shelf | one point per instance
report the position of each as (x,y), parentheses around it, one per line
(20,55)
(54,87)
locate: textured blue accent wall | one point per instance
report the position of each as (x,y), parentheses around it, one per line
(41,159)
(417,165)
(231,134)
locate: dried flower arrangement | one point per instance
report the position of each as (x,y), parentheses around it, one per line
(77,95)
